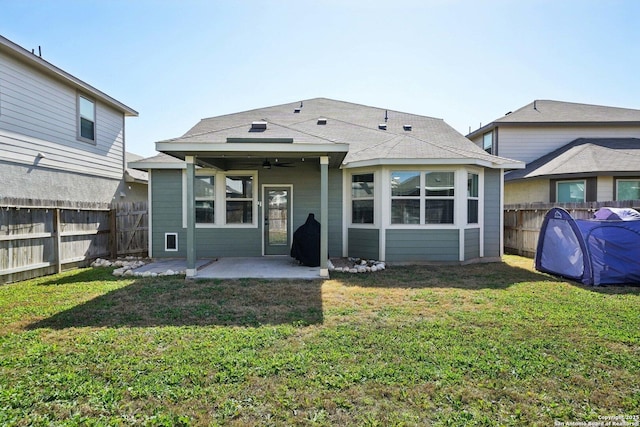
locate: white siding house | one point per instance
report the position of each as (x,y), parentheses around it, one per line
(597,145)
(60,138)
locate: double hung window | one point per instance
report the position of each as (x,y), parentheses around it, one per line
(205,195)
(86,118)
(239,200)
(472,198)
(362,198)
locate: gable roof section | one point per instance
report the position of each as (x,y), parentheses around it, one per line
(585,156)
(10,48)
(559,112)
(352,129)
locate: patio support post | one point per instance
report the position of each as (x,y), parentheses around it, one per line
(191,216)
(324,215)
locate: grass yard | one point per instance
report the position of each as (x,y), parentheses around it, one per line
(491,344)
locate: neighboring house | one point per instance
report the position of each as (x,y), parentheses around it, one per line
(383,184)
(134,186)
(574,152)
(61,139)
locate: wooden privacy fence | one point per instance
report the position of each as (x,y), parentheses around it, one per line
(522,223)
(45,237)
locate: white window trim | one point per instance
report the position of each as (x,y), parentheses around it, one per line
(569,181)
(79,121)
(375,197)
(473,198)
(423,197)
(220,214)
(166,235)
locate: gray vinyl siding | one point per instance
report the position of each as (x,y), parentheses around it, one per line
(38,115)
(166,212)
(240,241)
(492,210)
(228,242)
(422,245)
(471,244)
(26,182)
(364,243)
(305,178)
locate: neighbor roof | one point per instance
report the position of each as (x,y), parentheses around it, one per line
(353,129)
(10,48)
(548,112)
(585,156)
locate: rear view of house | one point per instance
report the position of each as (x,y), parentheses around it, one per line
(383,184)
(61,139)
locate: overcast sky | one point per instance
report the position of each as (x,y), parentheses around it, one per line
(468,62)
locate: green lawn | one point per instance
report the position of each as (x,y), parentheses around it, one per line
(490,344)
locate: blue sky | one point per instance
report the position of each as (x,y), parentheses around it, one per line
(468,62)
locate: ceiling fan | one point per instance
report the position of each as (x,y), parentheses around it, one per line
(267,164)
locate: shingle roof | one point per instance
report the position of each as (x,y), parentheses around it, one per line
(548,111)
(346,123)
(585,155)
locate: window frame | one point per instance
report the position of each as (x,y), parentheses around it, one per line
(372,198)
(489,149)
(625,179)
(228,199)
(475,198)
(80,116)
(570,181)
(423,198)
(220,198)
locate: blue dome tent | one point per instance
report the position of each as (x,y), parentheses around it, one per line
(600,251)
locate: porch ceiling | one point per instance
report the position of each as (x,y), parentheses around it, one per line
(220,154)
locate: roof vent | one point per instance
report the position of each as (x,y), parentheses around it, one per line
(258,126)
(406,127)
(322,121)
(297,110)
(382,126)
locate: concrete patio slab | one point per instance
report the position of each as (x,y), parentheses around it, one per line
(271,267)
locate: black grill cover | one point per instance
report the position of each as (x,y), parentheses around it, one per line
(306,243)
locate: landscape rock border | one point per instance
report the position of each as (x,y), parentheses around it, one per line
(357,265)
(130,263)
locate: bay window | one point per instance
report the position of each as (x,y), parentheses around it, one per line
(422,197)
(472,198)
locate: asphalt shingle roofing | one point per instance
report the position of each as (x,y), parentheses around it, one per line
(346,123)
(585,155)
(543,111)
(547,111)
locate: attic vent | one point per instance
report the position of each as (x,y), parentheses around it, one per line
(322,121)
(382,126)
(406,127)
(258,126)
(297,110)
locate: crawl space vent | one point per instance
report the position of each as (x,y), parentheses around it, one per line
(406,127)
(322,121)
(382,126)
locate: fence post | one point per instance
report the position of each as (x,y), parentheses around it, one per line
(113,231)
(57,240)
